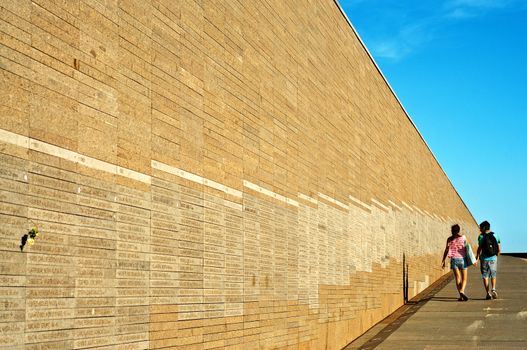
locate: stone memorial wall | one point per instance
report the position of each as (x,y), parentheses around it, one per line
(206,175)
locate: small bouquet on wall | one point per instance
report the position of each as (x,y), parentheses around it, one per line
(29,237)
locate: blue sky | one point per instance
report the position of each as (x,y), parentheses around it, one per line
(459,68)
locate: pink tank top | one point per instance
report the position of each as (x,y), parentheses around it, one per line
(456,248)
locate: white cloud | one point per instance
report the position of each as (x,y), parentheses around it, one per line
(408,39)
(460,13)
(389,49)
(482,4)
(351,3)
(400,28)
(463,9)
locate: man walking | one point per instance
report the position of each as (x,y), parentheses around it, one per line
(488,251)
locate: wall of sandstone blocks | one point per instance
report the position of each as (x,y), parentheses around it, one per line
(205,174)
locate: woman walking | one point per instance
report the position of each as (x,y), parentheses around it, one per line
(455,250)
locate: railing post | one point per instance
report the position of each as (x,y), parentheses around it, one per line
(405,280)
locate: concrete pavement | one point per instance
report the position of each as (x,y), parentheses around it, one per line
(439,321)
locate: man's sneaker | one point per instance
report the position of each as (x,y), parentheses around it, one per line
(494,294)
(488,297)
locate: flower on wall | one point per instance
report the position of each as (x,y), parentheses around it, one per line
(29,238)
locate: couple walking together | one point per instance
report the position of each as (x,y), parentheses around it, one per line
(461,257)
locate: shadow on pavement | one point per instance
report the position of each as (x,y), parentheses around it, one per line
(369,341)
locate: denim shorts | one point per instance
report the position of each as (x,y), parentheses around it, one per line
(458,263)
(488,268)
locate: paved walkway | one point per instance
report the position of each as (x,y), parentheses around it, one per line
(439,321)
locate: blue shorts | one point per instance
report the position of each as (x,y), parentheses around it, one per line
(458,263)
(488,268)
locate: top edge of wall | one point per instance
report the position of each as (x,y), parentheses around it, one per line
(399,101)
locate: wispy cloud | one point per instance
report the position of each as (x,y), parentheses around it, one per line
(460,13)
(465,9)
(407,39)
(352,3)
(389,49)
(400,28)
(480,3)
